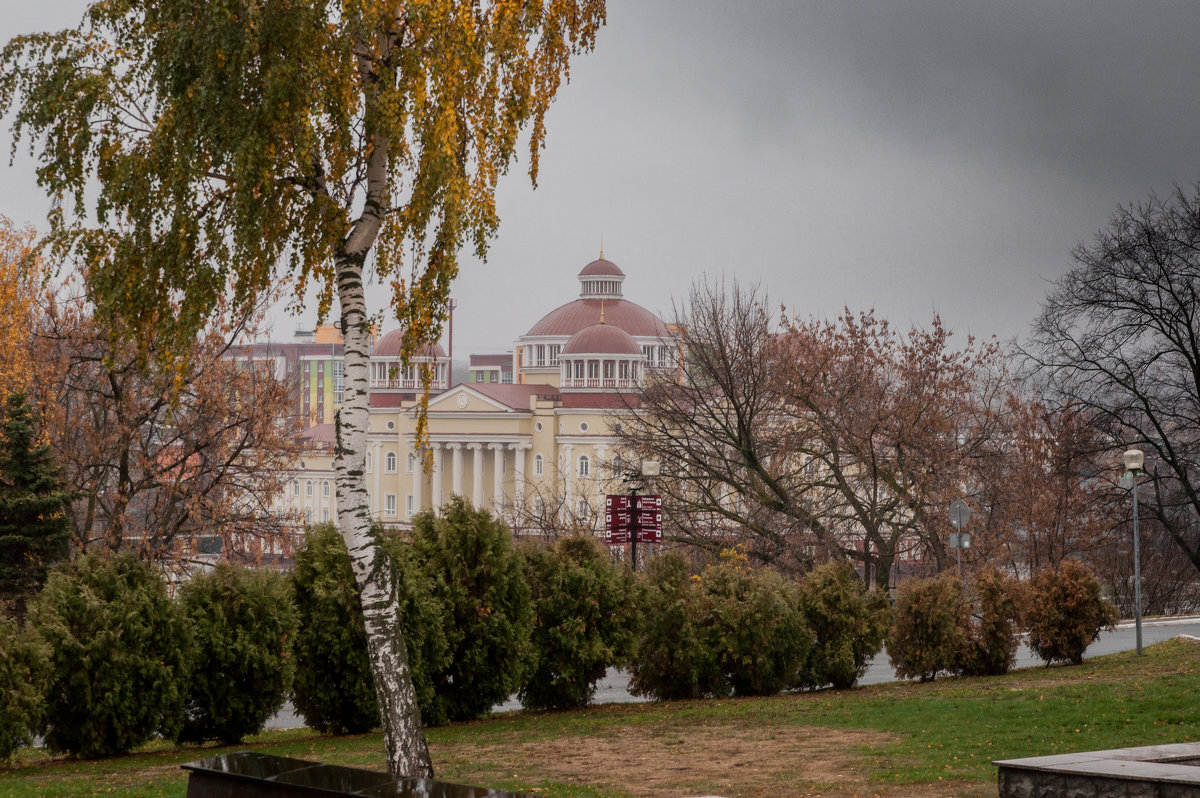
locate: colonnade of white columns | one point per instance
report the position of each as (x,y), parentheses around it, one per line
(478,452)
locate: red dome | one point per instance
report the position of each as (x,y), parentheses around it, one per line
(389,346)
(572,317)
(601,339)
(601,267)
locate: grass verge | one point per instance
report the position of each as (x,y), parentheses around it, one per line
(900,739)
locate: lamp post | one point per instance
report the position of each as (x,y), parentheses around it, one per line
(648,468)
(1134,460)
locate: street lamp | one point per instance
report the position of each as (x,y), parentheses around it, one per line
(1134,460)
(647,469)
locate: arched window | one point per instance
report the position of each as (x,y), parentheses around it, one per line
(325,489)
(581,509)
(585,466)
(538,465)
(410,463)
(295,487)
(617,467)
(308,487)
(390,463)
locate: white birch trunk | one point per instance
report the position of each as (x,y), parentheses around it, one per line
(404,737)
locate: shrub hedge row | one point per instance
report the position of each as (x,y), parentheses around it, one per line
(107,660)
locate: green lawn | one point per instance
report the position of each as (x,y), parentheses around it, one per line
(893,739)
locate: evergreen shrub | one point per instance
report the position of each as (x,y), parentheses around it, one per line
(477,577)
(991,647)
(243,623)
(23,664)
(752,620)
(1066,612)
(733,629)
(334,690)
(584,621)
(119,649)
(849,625)
(672,659)
(930,629)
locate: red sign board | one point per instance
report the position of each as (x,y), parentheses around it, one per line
(619,520)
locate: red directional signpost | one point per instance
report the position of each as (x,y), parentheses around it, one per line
(632,519)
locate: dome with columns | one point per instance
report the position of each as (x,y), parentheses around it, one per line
(600,289)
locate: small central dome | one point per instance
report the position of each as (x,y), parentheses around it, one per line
(601,339)
(389,346)
(601,267)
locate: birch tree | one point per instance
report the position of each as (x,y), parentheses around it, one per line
(237,144)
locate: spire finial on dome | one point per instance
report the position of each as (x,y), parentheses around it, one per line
(602,302)
(602,246)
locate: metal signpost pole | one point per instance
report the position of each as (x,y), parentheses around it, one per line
(633,530)
(1137,568)
(958,548)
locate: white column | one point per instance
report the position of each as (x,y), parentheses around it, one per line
(519,450)
(568,451)
(435,501)
(456,449)
(418,478)
(600,461)
(477,474)
(376,501)
(497,476)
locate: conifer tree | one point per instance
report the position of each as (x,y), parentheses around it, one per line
(34,528)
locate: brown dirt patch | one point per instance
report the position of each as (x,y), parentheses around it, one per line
(731,761)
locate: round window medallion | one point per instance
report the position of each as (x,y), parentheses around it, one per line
(462,400)
(538,426)
(583,426)
(391,425)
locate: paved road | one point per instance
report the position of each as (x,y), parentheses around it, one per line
(614,689)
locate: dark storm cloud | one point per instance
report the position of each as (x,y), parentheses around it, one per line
(915,157)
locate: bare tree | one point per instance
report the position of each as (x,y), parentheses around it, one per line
(728,474)
(1119,337)
(816,440)
(160,458)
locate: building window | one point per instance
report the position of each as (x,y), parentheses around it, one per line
(506,378)
(370,462)
(410,463)
(308,516)
(325,514)
(325,488)
(479,376)
(389,505)
(554,350)
(585,466)
(308,487)
(408,506)
(593,370)
(581,509)
(390,463)
(616,466)
(537,505)
(339,381)
(579,369)
(538,465)
(295,487)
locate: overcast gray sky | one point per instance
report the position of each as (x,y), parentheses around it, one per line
(914,157)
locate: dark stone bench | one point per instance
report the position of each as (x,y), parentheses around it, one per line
(244,774)
(1154,771)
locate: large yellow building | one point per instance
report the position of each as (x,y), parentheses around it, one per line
(538,452)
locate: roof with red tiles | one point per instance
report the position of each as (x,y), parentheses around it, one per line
(572,317)
(389,346)
(602,339)
(601,267)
